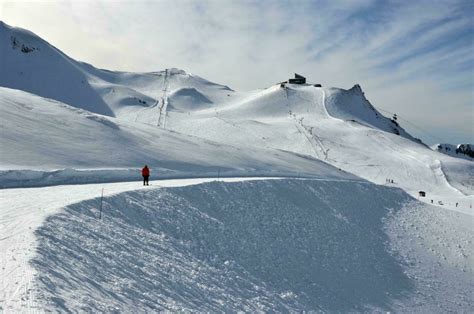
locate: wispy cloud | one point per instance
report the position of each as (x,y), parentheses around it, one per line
(411,57)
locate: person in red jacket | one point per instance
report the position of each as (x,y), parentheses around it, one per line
(145,174)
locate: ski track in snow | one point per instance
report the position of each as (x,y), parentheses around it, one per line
(164,101)
(312,138)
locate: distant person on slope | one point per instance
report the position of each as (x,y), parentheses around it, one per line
(145,174)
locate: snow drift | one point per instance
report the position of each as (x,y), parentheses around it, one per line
(277,245)
(188,99)
(253,246)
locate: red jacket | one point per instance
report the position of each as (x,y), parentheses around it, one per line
(145,171)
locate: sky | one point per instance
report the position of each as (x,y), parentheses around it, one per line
(413,58)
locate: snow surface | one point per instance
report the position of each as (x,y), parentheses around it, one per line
(274,245)
(24,211)
(436,247)
(351,240)
(107,149)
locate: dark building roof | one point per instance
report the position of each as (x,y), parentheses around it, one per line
(299,79)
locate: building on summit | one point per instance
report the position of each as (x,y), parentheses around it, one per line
(297,80)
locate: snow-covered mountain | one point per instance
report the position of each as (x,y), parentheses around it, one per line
(343,234)
(337,126)
(31,64)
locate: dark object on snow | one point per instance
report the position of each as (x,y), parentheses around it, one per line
(26,49)
(317,85)
(422,193)
(145,175)
(465,149)
(297,80)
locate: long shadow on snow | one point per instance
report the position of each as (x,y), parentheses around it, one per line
(263,245)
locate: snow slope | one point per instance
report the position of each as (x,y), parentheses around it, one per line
(436,247)
(43,135)
(337,126)
(31,64)
(284,245)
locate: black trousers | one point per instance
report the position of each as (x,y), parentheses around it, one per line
(145,180)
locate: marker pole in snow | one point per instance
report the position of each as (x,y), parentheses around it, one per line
(101,199)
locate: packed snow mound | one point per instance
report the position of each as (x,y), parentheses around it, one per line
(351,105)
(112,149)
(465,151)
(255,246)
(272,246)
(188,99)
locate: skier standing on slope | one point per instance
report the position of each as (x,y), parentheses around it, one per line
(145,174)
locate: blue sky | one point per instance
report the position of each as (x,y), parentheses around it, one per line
(414,58)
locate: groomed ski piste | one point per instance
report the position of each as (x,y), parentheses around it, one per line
(279,199)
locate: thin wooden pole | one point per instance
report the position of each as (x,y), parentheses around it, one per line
(101,201)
